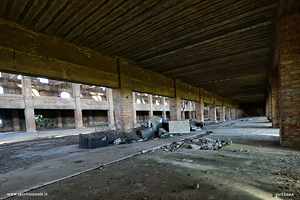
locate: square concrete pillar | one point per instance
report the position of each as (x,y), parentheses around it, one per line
(90,118)
(58,119)
(199,111)
(175,109)
(78,109)
(15,120)
(29,105)
(150,102)
(110,112)
(228,114)
(190,110)
(213,113)
(183,110)
(164,108)
(134,107)
(222,114)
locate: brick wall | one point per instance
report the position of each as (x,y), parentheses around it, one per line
(289,80)
(49,119)
(68,119)
(142,116)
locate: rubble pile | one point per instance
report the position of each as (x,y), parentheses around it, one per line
(197,144)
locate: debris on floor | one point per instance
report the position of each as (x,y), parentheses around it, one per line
(184,160)
(197,144)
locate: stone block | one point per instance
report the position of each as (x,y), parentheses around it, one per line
(179,126)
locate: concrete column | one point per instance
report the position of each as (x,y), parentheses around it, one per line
(90,118)
(110,112)
(222,114)
(58,119)
(175,109)
(193,113)
(164,108)
(228,114)
(150,101)
(15,120)
(232,113)
(78,109)
(29,106)
(199,109)
(134,107)
(190,110)
(183,110)
(213,113)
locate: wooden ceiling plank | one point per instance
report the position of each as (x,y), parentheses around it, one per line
(91,30)
(176,14)
(71,10)
(227,59)
(33,11)
(16,10)
(203,50)
(87,11)
(219,33)
(181,67)
(56,7)
(186,30)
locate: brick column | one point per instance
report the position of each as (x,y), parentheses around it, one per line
(269,105)
(110,112)
(228,114)
(29,106)
(150,101)
(134,107)
(58,119)
(267,111)
(213,113)
(222,114)
(275,98)
(78,109)
(175,109)
(15,120)
(289,76)
(164,109)
(123,99)
(199,109)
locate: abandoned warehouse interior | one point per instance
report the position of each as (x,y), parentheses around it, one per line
(110,67)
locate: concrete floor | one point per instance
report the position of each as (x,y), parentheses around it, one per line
(264,165)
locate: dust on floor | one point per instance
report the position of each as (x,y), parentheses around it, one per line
(253,167)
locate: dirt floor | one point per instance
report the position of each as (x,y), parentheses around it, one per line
(21,155)
(253,167)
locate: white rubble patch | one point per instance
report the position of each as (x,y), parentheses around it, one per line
(196,144)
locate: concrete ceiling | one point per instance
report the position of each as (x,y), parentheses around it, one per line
(225,47)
